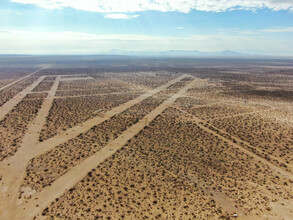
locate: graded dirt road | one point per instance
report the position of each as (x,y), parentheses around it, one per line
(16,81)
(47,145)
(274,167)
(41,200)
(14,178)
(8,106)
(13,168)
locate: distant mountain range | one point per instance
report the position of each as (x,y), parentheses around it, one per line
(167,54)
(178,53)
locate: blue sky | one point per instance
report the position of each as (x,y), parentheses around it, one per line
(95,26)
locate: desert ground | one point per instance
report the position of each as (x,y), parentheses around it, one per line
(112,137)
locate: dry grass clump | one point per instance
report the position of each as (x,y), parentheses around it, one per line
(149,80)
(212,87)
(165,172)
(178,84)
(189,102)
(4,82)
(91,87)
(266,94)
(177,167)
(218,110)
(268,89)
(50,78)
(189,152)
(46,168)
(9,92)
(92,92)
(39,95)
(266,134)
(14,125)
(283,112)
(129,186)
(213,92)
(44,86)
(62,116)
(11,74)
(68,112)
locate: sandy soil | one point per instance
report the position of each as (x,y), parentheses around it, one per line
(13,169)
(8,106)
(199,143)
(16,81)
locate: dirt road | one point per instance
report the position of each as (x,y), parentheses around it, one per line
(41,200)
(16,81)
(9,105)
(13,169)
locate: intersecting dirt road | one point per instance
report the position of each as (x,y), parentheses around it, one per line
(13,169)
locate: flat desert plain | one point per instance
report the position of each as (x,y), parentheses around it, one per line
(103,137)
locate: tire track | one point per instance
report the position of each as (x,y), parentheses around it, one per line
(10,84)
(9,105)
(12,178)
(13,168)
(274,167)
(41,200)
(47,145)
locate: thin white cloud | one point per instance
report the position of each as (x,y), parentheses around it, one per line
(28,42)
(185,6)
(120,16)
(279,30)
(180,28)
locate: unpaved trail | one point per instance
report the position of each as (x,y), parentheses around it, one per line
(228,204)
(30,140)
(198,120)
(85,126)
(10,84)
(13,168)
(274,167)
(237,114)
(8,106)
(42,199)
(13,177)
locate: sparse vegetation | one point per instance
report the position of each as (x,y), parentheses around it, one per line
(220,150)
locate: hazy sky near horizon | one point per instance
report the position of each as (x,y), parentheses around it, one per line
(96,26)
